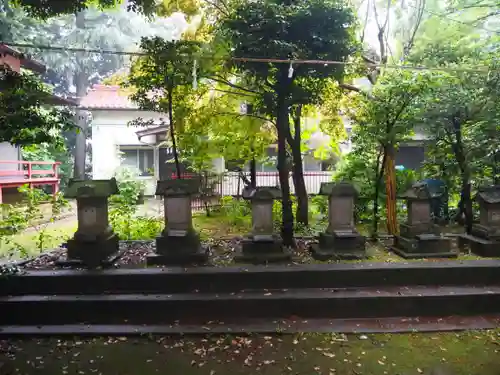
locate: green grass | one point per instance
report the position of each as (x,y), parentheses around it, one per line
(27,243)
(465,353)
(218,226)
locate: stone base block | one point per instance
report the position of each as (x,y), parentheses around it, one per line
(179,250)
(199,257)
(410,231)
(268,251)
(339,245)
(91,254)
(487,233)
(423,246)
(481,246)
(334,254)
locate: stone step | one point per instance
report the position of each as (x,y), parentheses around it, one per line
(268,326)
(233,279)
(203,307)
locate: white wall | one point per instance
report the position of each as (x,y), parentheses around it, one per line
(8,152)
(109,131)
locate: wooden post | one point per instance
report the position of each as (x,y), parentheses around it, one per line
(55,186)
(29,174)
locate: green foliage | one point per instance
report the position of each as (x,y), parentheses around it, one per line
(23,118)
(214,127)
(44,9)
(276,30)
(168,65)
(361,173)
(123,206)
(387,115)
(137,227)
(53,153)
(237,212)
(28,214)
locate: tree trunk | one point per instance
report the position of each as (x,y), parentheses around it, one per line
(378,179)
(465,205)
(253,173)
(283,127)
(172,133)
(496,171)
(81,122)
(302,213)
(390,189)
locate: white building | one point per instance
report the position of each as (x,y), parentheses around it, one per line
(115,143)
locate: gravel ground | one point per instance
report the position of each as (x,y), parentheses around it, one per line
(222,252)
(135,253)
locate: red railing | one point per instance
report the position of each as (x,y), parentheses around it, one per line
(24,174)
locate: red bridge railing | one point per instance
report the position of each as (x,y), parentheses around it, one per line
(14,173)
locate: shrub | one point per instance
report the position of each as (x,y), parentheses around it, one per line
(236,211)
(27,214)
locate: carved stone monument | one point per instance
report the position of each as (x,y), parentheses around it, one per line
(485,237)
(178,243)
(419,236)
(262,245)
(94,244)
(341,239)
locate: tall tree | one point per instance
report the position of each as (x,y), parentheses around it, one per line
(385,118)
(275,29)
(163,75)
(115,29)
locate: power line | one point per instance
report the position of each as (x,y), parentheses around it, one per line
(61,49)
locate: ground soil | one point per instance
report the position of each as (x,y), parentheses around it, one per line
(465,353)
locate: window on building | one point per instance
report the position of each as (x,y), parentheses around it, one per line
(141,159)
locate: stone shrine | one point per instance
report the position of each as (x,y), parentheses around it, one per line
(341,239)
(262,245)
(419,236)
(178,243)
(484,239)
(94,244)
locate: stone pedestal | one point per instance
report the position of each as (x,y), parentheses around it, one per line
(94,243)
(341,239)
(485,237)
(419,236)
(178,243)
(262,245)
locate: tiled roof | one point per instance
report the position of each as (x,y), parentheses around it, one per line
(107,97)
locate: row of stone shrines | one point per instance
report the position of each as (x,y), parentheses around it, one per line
(94,243)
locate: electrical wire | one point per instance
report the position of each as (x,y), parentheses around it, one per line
(61,49)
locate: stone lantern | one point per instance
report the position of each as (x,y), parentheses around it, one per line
(485,237)
(341,239)
(178,242)
(419,236)
(262,245)
(94,243)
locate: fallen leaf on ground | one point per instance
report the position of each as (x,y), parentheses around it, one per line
(329,355)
